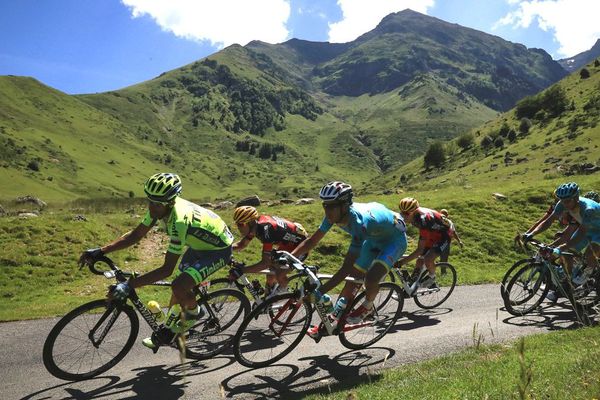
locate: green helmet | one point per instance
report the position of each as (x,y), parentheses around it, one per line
(163,187)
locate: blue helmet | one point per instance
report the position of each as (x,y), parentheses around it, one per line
(567,190)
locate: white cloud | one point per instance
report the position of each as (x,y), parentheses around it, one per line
(574,23)
(360,16)
(221,22)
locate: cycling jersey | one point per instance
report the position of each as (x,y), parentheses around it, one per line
(564,219)
(433,227)
(196,227)
(284,234)
(378,234)
(587,214)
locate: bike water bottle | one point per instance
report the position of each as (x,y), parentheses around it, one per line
(257,287)
(157,312)
(327,304)
(340,306)
(561,273)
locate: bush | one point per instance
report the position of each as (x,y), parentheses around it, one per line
(504,129)
(512,135)
(435,155)
(499,142)
(596,63)
(552,102)
(33,165)
(486,141)
(525,125)
(465,141)
(584,73)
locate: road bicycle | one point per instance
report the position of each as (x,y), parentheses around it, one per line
(425,297)
(95,336)
(529,285)
(276,326)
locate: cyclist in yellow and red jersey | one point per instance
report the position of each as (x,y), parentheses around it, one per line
(434,237)
(199,234)
(274,233)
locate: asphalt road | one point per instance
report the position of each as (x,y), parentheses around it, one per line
(311,368)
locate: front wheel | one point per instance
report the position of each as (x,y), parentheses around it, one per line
(510,273)
(387,308)
(437,294)
(214,332)
(272,330)
(527,289)
(90,340)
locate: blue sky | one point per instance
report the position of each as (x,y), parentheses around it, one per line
(86,46)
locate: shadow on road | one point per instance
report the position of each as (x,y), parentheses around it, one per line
(418,319)
(155,382)
(325,374)
(554,316)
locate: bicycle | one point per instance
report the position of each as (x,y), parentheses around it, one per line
(276,326)
(528,287)
(95,336)
(426,298)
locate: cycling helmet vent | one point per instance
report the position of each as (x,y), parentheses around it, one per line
(567,190)
(163,187)
(245,214)
(408,205)
(336,192)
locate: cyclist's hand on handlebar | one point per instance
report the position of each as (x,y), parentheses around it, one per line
(526,237)
(89,256)
(120,291)
(236,271)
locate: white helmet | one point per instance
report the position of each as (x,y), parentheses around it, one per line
(336,192)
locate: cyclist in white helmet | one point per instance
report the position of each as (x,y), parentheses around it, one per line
(378,240)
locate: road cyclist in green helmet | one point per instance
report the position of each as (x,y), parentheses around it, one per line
(199,234)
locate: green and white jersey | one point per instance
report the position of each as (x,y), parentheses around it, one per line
(193,226)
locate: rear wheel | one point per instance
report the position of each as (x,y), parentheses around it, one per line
(90,340)
(445,282)
(272,330)
(387,309)
(527,289)
(215,331)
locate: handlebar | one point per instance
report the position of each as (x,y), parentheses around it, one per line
(286,258)
(543,246)
(113,272)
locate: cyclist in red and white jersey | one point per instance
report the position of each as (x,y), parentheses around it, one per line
(274,233)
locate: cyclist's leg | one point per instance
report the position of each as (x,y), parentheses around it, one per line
(383,256)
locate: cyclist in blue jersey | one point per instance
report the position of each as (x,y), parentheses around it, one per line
(198,234)
(378,241)
(587,214)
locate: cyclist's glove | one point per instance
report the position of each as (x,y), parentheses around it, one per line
(526,237)
(94,254)
(120,291)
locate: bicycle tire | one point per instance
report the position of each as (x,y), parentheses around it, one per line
(522,281)
(388,309)
(257,329)
(446,284)
(509,274)
(212,335)
(67,331)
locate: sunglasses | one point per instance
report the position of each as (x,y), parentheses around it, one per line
(329,206)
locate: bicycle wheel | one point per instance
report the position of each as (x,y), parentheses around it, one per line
(264,339)
(214,332)
(510,273)
(428,298)
(387,309)
(90,340)
(527,289)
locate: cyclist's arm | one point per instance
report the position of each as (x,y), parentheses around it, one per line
(577,237)
(565,235)
(545,224)
(417,252)
(309,243)
(241,244)
(347,267)
(455,234)
(128,239)
(265,262)
(158,274)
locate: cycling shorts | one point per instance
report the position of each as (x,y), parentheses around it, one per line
(200,264)
(386,253)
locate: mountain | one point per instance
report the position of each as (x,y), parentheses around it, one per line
(277,120)
(574,63)
(549,136)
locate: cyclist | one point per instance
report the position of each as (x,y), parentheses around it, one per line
(378,240)
(453,235)
(587,214)
(434,238)
(206,236)
(270,231)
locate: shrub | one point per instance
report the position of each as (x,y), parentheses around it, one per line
(499,142)
(465,141)
(504,129)
(33,165)
(584,73)
(435,155)
(525,125)
(486,141)
(512,135)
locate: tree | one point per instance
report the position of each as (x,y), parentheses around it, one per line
(486,141)
(499,142)
(512,135)
(504,129)
(525,125)
(435,155)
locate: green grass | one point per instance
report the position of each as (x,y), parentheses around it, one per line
(562,365)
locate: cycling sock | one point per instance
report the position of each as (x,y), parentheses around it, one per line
(194,312)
